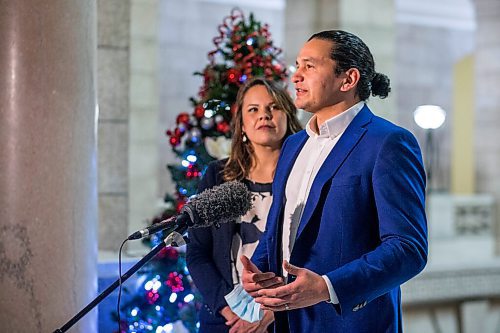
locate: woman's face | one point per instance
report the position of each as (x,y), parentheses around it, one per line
(263,122)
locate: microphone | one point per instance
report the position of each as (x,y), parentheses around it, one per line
(219,204)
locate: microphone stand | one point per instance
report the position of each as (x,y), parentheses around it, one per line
(175,239)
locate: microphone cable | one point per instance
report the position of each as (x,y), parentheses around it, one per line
(120,285)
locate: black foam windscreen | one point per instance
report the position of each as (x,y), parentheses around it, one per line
(219,204)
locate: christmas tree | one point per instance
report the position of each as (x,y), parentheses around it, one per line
(167,300)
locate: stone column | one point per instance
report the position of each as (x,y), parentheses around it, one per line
(315,15)
(144,130)
(113,81)
(487,81)
(48,183)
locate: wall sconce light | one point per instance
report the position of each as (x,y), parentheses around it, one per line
(430,118)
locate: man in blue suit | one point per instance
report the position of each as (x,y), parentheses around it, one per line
(347,225)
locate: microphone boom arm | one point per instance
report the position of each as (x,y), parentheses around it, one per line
(166,242)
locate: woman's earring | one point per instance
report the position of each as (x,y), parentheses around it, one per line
(244,138)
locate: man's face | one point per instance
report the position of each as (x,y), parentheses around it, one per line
(316,84)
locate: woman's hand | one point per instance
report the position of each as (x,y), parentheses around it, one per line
(239,325)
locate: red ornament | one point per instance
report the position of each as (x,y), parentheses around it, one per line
(199,111)
(178,132)
(172,253)
(174,141)
(223,127)
(174,281)
(168,252)
(179,206)
(182,118)
(192,172)
(152,296)
(162,253)
(233,75)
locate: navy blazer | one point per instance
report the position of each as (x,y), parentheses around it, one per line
(363,225)
(209,260)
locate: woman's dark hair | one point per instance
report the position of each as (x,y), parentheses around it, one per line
(241,157)
(349,51)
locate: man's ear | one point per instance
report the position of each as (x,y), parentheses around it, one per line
(351,79)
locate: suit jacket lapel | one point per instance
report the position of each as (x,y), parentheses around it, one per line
(288,156)
(353,133)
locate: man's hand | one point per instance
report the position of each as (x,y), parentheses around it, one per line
(254,280)
(308,289)
(239,325)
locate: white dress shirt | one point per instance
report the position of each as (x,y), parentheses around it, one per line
(310,159)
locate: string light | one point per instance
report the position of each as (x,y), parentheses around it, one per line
(188,298)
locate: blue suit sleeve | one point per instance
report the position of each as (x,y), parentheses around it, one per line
(199,256)
(260,256)
(398,182)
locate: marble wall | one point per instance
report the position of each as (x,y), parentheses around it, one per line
(113,80)
(487,113)
(144,130)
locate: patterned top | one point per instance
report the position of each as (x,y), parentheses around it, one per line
(250,226)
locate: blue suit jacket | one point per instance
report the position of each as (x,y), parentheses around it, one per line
(363,225)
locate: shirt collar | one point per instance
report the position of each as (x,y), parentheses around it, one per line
(334,126)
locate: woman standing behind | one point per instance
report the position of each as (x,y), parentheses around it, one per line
(265,116)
